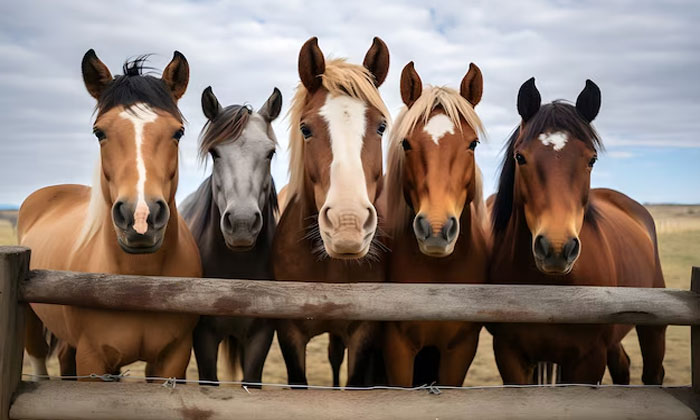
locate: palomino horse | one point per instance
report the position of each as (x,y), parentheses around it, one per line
(127,223)
(232,217)
(438,220)
(328,231)
(551,228)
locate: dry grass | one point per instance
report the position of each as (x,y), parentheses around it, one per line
(679,242)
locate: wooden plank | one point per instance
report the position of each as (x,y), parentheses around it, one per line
(56,401)
(14,265)
(366,301)
(695,334)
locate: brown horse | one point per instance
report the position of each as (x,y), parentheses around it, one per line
(328,231)
(438,223)
(550,228)
(126,223)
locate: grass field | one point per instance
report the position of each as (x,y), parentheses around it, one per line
(679,242)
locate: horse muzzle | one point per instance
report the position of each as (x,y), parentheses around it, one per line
(347,234)
(436,241)
(241,228)
(140,228)
(555,259)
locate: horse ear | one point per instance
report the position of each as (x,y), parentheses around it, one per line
(411,85)
(311,65)
(95,74)
(377,60)
(472,87)
(588,101)
(177,75)
(272,107)
(529,100)
(210,104)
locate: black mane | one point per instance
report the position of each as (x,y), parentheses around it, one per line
(556,116)
(136,87)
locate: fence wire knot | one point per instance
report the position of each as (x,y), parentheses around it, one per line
(433,389)
(170,383)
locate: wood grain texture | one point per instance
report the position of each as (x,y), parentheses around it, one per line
(56,401)
(14,265)
(366,301)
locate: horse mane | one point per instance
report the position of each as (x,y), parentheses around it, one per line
(97,209)
(556,116)
(339,78)
(134,87)
(456,108)
(227,126)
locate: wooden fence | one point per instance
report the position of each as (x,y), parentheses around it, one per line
(381,302)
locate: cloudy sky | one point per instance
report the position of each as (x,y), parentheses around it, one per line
(644,55)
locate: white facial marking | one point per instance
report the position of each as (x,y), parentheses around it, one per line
(345,117)
(140,115)
(438,126)
(557,140)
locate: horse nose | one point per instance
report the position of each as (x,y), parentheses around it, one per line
(421,227)
(571,250)
(248,222)
(450,229)
(159,214)
(542,248)
(122,214)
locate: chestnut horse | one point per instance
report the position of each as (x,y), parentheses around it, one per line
(126,223)
(328,231)
(232,216)
(438,222)
(551,228)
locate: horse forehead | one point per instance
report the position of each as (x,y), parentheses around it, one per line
(438,126)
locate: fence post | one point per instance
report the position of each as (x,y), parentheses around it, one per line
(695,335)
(14,266)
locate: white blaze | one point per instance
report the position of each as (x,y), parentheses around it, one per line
(140,115)
(557,140)
(345,117)
(438,126)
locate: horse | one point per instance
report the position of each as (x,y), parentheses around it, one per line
(438,227)
(232,216)
(329,229)
(125,223)
(551,228)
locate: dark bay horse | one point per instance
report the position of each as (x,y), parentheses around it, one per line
(125,223)
(438,220)
(232,217)
(550,227)
(328,231)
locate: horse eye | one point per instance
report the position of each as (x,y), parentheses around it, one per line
(271,154)
(214,154)
(178,134)
(305,131)
(520,159)
(592,161)
(381,128)
(406,145)
(99,134)
(473,144)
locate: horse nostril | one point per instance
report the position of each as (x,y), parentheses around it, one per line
(257,221)
(371,219)
(542,249)
(227,222)
(571,249)
(160,215)
(421,227)
(121,215)
(450,229)
(325,215)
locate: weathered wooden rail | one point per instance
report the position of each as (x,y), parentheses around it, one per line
(370,301)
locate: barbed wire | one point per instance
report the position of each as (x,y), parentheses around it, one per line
(431,388)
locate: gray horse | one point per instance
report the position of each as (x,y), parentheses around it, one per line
(232,217)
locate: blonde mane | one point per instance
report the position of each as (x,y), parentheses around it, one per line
(456,108)
(339,78)
(96,210)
